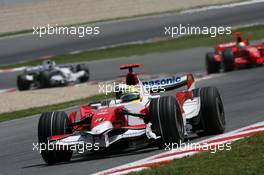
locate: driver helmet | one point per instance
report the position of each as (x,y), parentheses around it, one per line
(48,64)
(241,45)
(130,94)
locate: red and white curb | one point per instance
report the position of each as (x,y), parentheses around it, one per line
(168,156)
(2,91)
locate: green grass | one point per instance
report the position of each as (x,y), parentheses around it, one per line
(38,110)
(253,33)
(245,157)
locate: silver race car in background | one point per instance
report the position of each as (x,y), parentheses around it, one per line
(50,75)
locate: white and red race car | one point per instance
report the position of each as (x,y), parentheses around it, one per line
(134,116)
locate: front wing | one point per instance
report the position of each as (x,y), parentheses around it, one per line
(104,140)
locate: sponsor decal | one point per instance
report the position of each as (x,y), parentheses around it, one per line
(163,81)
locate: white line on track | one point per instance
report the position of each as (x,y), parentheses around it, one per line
(213,7)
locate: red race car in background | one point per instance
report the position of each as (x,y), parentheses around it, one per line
(234,55)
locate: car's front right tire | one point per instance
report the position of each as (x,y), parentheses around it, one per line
(211,65)
(53,123)
(22,83)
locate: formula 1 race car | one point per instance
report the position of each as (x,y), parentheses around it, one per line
(135,117)
(50,75)
(234,55)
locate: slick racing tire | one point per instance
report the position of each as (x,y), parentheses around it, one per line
(211,65)
(212,111)
(44,79)
(228,60)
(83,67)
(53,123)
(22,83)
(166,119)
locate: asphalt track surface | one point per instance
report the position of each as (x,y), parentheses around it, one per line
(172,62)
(242,93)
(28,47)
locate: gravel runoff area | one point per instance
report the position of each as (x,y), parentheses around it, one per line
(20,17)
(19,100)
(28,99)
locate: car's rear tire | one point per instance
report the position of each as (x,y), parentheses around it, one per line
(53,123)
(211,65)
(212,111)
(228,60)
(22,83)
(86,76)
(166,119)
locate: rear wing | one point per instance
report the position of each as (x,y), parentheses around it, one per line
(170,83)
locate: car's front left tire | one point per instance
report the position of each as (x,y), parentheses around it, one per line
(228,60)
(86,76)
(44,79)
(212,112)
(166,119)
